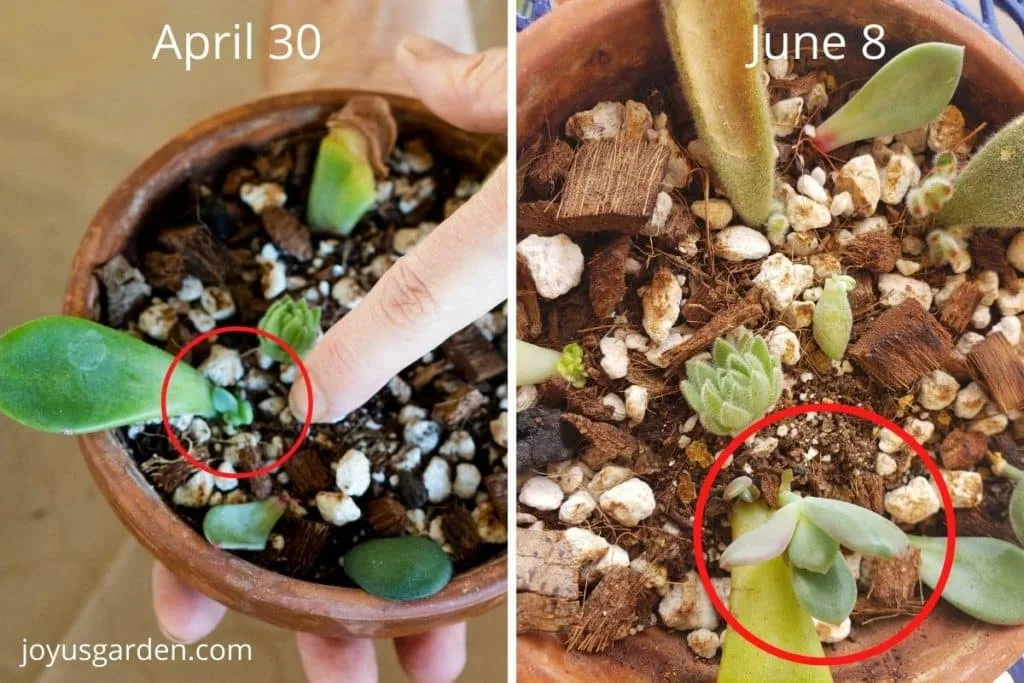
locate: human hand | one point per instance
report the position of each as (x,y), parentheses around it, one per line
(453,276)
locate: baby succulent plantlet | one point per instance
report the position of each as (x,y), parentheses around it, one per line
(989,188)
(906,93)
(294,323)
(739,387)
(242,526)
(535,364)
(73,376)
(833,317)
(234,410)
(985,581)
(734,121)
(350,159)
(1002,468)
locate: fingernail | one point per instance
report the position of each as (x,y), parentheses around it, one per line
(298,396)
(424,48)
(168,636)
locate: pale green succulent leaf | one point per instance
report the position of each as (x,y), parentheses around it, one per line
(722,351)
(243,526)
(908,92)
(811,548)
(985,581)
(988,191)
(759,349)
(833,318)
(762,599)
(343,188)
(768,540)
(829,597)
(72,376)
(534,364)
(738,364)
(1016,510)
(760,392)
(734,417)
(711,399)
(856,528)
(692,395)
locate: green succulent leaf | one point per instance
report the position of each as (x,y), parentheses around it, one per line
(224,401)
(985,581)
(768,540)
(989,189)
(244,526)
(762,598)
(811,548)
(828,597)
(856,528)
(69,375)
(343,187)
(294,323)
(570,366)
(535,364)
(1017,512)
(708,50)
(833,316)
(909,91)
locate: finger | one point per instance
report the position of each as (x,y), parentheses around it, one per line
(437,656)
(337,660)
(452,277)
(183,614)
(468,91)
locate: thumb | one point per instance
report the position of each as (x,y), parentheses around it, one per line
(468,91)
(452,277)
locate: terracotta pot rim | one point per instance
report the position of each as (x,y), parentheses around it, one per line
(233,581)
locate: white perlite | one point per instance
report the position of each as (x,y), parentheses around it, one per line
(859,177)
(337,507)
(424,434)
(541,493)
(661,303)
(885,465)
(636,402)
(740,243)
(459,446)
(223,367)
(577,508)
(703,642)
(966,489)
(784,344)
(618,406)
(437,480)
(969,401)
(628,503)
(467,480)
(938,389)
(196,492)
(830,633)
(555,263)
(782,280)
(806,214)
(158,320)
(913,503)
(615,360)
(353,473)
(894,289)
(715,212)
(686,606)
(261,195)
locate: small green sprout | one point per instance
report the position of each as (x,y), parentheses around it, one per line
(535,364)
(833,317)
(242,526)
(740,387)
(295,323)
(1002,468)
(741,488)
(234,410)
(909,91)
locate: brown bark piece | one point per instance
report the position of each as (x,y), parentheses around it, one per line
(974,522)
(957,311)
(893,581)
(730,318)
(170,474)
(387,516)
(553,392)
(613,185)
(308,474)
(863,296)
(473,356)
(869,492)
(1001,371)
(604,441)
(545,173)
(546,564)
(989,253)
(529,324)
(497,491)
(249,460)
(539,218)
(902,344)
(203,254)
(607,269)
(541,613)
(610,611)
(425,374)
(164,271)
(125,291)
(962,450)
(874,251)
(305,540)
(460,532)
(587,402)
(568,315)
(459,407)
(287,232)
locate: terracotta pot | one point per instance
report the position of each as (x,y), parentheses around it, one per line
(241,586)
(614,50)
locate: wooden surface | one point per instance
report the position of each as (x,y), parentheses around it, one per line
(614,50)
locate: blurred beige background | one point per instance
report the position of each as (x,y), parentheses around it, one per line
(81,104)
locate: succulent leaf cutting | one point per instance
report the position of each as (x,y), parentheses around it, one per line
(739,386)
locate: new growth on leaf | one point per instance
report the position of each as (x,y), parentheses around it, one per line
(906,93)
(535,364)
(570,366)
(740,387)
(295,323)
(234,410)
